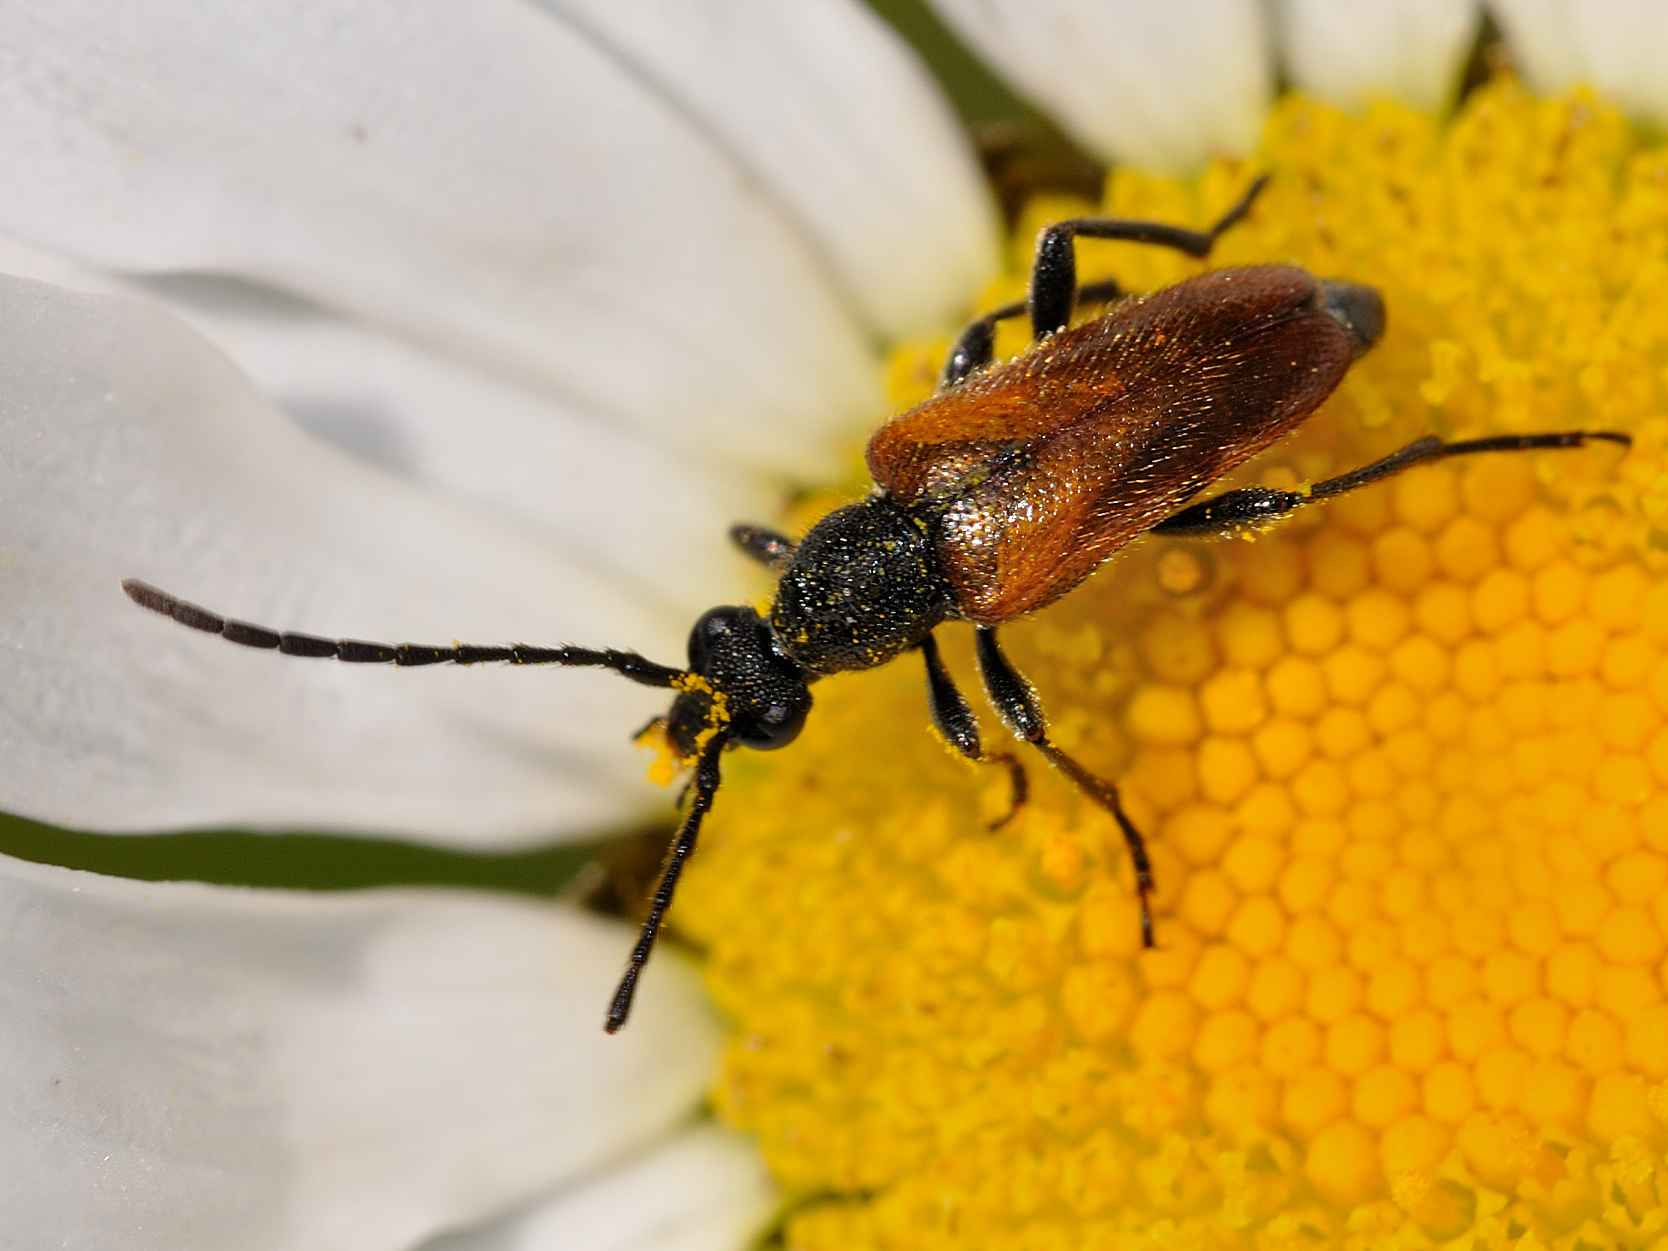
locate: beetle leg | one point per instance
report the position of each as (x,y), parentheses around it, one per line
(1054,272)
(1251,506)
(769,548)
(1016,701)
(972,351)
(705,781)
(954,719)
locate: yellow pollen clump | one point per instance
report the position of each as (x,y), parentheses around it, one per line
(1402,763)
(665,766)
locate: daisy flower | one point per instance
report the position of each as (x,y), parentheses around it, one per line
(484,323)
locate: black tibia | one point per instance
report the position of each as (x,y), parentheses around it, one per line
(769,548)
(626,664)
(1016,700)
(1251,505)
(955,721)
(1054,272)
(972,351)
(683,846)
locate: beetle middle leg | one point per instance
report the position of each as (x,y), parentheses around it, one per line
(1016,700)
(1232,511)
(954,720)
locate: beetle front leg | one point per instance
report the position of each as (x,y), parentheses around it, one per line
(1015,699)
(769,548)
(955,722)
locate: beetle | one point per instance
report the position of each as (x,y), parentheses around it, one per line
(993,498)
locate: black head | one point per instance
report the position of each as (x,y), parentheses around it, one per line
(741,682)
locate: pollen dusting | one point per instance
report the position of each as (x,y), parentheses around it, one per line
(1402,763)
(693,684)
(665,766)
(717,717)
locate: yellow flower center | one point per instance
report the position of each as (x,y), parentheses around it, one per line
(1402,761)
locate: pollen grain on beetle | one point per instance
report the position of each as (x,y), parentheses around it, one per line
(1403,761)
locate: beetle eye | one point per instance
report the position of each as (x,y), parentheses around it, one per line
(710,628)
(714,631)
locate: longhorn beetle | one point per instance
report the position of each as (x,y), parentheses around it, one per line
(992,499)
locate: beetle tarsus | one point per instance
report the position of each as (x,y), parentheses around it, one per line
(1019,786)
(1106,795)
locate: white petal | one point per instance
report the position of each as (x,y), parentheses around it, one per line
(1618,46)
(603,493)
(701,1191)
(635,513)
(188,1066)
(1164,85)
(479,175)
(843,126)
(132,449)
(1412,50)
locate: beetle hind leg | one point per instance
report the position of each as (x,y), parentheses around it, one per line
(954,720)
(1016,700)
(1248,507)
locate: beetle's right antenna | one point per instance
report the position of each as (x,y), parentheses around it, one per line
(683,846)
(356,651)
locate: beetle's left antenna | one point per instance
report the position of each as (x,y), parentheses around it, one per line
(357,651)
(683,846)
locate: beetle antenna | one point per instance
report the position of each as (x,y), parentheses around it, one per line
(706,786)
(357,651)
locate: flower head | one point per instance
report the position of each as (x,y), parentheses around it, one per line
(1403,763)
(534,299)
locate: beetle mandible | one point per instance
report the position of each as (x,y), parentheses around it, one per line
(992,499)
